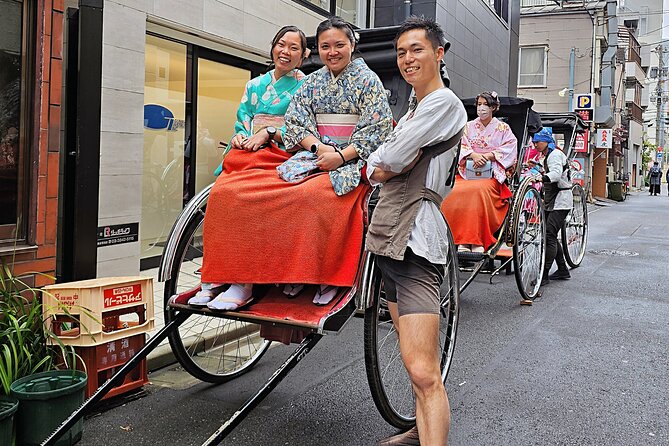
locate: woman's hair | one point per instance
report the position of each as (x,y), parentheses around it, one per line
(490,98)
(340,24)
(282,32)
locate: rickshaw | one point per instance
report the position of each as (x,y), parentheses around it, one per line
(521,238)
(574,234)
(217,347)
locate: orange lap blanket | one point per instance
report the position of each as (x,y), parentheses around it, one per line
(261,229)
(475,210)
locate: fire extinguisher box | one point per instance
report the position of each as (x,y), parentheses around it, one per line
(102,361)
(97,311)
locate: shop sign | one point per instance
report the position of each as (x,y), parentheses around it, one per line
(585,106)
(578,171)
(158,117)
(581,142)
(118,234)
(584,101)
(604,139)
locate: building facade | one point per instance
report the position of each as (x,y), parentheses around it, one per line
(567,49)
(30,105)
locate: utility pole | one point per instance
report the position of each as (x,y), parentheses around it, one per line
(659,102)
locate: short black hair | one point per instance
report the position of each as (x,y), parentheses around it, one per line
(433,30)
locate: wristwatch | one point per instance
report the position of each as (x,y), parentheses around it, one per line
(314,147)
(271,131)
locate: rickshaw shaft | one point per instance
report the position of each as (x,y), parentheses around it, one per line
(117,378)
(305,346)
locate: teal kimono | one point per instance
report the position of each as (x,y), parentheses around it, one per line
(262,96)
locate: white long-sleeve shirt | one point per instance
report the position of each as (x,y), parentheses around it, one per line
(436,118)
(555,163)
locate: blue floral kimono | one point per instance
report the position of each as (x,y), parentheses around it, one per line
(263,96)
(356,91)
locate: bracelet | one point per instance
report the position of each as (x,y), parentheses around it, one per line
(343,160)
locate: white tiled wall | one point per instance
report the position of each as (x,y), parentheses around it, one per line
(248,25)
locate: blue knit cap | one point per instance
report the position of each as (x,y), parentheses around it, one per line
(545,135)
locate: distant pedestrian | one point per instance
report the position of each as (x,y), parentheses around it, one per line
(655,176)
(667,178)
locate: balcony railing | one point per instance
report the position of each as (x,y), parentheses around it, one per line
(635,112)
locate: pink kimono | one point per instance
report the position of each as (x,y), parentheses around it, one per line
(497,138)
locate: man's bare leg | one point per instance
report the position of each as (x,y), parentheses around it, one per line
(419,346)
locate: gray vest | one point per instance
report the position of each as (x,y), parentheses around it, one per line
(399,202)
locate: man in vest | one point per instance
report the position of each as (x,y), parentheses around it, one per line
(408,232)
(558,201)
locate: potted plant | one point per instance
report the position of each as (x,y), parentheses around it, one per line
(30,356)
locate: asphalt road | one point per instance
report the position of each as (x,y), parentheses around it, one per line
(585,365)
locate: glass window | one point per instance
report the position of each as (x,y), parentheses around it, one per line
(164,137)
(532,67)
(219,90)
(12,146)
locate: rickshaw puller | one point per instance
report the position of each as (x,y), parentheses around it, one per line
(558,201)
(408,232)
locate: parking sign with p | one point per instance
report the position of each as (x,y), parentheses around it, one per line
(584,101)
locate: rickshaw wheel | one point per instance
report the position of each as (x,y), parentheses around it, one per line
(528,224)
(388,380)
(575,229)
(211,349)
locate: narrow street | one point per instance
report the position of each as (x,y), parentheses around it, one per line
(585,365)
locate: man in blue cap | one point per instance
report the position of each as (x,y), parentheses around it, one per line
(558,201)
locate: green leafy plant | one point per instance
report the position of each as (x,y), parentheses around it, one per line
(27,345)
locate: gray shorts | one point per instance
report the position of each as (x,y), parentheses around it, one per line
(413,283)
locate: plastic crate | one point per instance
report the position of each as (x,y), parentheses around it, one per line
(102,361)
(100,310)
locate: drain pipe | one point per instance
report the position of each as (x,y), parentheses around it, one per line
(572,63)
(604,112)
(407,9)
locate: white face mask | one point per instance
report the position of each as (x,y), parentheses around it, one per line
(484,112)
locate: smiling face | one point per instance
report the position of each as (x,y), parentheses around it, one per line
(417,59)
(335,49)
(287,53)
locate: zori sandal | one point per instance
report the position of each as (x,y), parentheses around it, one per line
(234,297)
(206,294)
(324,294)
(293,289)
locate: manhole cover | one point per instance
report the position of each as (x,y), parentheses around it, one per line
(614,252)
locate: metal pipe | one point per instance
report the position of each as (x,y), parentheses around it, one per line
(572,63)
(407,9)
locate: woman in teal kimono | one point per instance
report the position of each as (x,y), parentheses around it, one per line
(266,97)
(260,123)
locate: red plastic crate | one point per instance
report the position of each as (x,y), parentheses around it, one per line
(103,360)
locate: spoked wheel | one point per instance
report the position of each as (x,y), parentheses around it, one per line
(388,379)
(575,229)
(529,226)
(211,349)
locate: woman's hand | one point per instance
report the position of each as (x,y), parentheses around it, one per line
(479,160)
(256,141)
(237,141)
(325,148)
(329,160)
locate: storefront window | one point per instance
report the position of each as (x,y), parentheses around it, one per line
(11,145)
(219,90)
(164,141)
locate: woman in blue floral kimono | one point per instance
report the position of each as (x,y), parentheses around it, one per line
(310,231)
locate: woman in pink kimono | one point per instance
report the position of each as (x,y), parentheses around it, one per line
(476,207)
